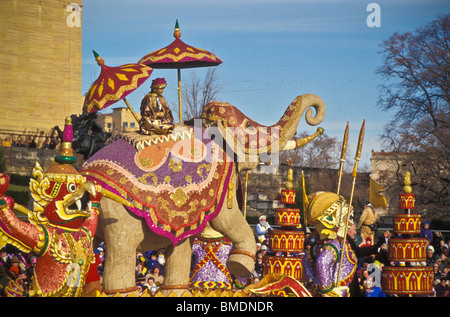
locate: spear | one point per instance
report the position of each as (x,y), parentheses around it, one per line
(342,160)
(357,158)
(355,167)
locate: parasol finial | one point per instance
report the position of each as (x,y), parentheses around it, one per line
(176,32)
(100,61)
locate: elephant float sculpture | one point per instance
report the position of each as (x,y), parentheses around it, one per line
(172,185)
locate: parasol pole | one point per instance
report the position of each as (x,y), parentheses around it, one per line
(342,160)
(355,167)
(179,95)
(131,109)
(245,195)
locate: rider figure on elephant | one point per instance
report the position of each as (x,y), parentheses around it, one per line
(156,116)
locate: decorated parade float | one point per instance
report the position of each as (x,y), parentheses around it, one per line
(157,187)
(176,186)
(407,251)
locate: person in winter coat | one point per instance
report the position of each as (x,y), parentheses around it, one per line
(367,222)
(371,290)
(262,228)
(426,232)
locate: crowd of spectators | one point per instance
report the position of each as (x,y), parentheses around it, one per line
(150,271)
(31,139)
(150,266)
(14,265)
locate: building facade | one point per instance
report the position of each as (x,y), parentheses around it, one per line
(40,63)
(264,187)
(121,119)
(386,169)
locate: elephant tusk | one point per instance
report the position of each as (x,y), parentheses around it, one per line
(106,193)
(296,143)
(290,145)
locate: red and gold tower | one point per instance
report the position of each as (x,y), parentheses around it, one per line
(408,251)
(288,240)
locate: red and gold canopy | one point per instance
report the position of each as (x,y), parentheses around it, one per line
(114,84)
(180,55)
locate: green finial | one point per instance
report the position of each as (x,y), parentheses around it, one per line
(176,32)
(95,54)
(100,61)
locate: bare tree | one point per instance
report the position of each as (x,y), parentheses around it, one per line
(322,152)
(197,93)
(416,73)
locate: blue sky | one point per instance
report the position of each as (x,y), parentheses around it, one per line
(272,51)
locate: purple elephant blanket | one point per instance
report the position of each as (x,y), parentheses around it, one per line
(176,182)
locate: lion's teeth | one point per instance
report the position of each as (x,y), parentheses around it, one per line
(78,202)
(89,205)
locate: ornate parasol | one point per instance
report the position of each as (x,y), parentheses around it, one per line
(114,84)
(180,55)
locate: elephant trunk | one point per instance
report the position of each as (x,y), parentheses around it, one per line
(289,121)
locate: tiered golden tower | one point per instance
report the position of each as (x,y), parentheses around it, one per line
(286,244)
(407,251)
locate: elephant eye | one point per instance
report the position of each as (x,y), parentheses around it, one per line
(249,126)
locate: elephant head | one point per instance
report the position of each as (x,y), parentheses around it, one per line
(253,141)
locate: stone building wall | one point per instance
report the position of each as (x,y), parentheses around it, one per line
(40,63)
(266,186)
(21,160)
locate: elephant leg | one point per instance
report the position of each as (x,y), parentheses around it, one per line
(178,268)
(231,223)
(122,233)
